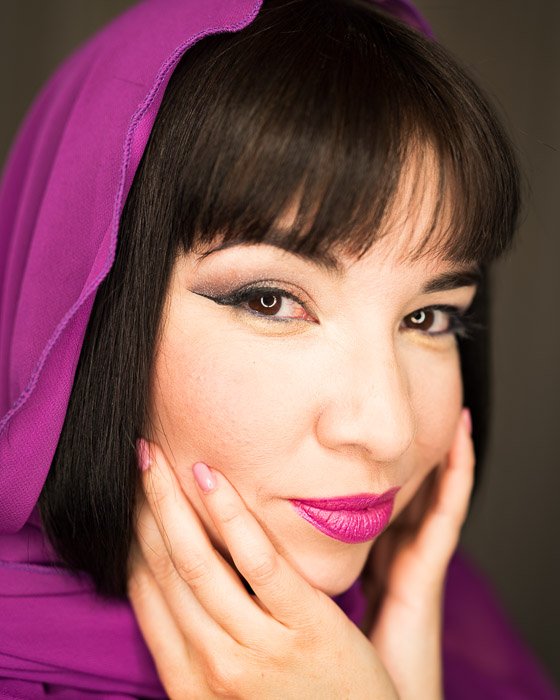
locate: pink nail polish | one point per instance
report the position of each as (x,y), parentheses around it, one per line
(467,419)
(144,461)
(204,477)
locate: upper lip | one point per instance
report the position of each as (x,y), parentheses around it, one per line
(357,502)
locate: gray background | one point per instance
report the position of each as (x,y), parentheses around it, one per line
(513,47)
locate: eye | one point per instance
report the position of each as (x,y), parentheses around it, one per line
(440,319)
(278,305)
(268,303)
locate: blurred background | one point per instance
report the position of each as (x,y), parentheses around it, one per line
(512,47)
(514,529)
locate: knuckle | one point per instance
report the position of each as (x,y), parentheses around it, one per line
(229,513)
(225,677)
(264,569)
(163,569)
(195,573)
(307,627)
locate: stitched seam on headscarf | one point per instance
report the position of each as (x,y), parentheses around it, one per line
(136,119)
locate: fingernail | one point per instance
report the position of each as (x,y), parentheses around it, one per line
(204,477)
(467,419)
(144,460)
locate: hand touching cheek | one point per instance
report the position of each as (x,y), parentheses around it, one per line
(210,638)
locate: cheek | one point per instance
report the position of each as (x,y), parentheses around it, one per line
(437,397)
(221,405)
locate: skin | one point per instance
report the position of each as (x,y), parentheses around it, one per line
(249,396)
(346,398)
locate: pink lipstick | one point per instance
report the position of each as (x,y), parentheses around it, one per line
(350,519)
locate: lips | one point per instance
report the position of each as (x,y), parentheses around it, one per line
(351,519)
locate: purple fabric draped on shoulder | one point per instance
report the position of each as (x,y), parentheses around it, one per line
(61,198)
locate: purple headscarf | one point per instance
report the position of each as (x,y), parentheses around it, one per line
(61,198)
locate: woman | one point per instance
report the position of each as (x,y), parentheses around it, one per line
(307,197)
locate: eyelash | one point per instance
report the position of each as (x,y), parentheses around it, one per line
(461,323)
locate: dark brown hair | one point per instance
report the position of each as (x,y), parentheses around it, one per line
(323,102)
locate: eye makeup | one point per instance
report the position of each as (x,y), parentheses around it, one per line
(460,322)
(238,299)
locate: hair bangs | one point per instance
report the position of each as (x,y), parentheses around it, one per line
(324,114)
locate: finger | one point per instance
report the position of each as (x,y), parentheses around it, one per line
(286,594)
(406,525)
(192,621)
(162,636)
(439,534)
(187,566)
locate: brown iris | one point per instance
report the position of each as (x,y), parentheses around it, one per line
(422,319)
(267,304)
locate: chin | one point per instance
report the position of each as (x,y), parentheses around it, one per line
(334,574)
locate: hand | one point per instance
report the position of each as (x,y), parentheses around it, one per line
(209,638)
(410,562)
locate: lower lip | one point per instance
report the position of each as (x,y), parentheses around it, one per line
(349,525)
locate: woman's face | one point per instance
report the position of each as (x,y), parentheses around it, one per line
(350,392)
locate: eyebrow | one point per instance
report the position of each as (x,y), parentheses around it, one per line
(452,280)
(322,260)
(325,261)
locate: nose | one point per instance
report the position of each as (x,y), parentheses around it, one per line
(368,407)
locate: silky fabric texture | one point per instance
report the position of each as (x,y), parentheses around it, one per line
(61,198)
